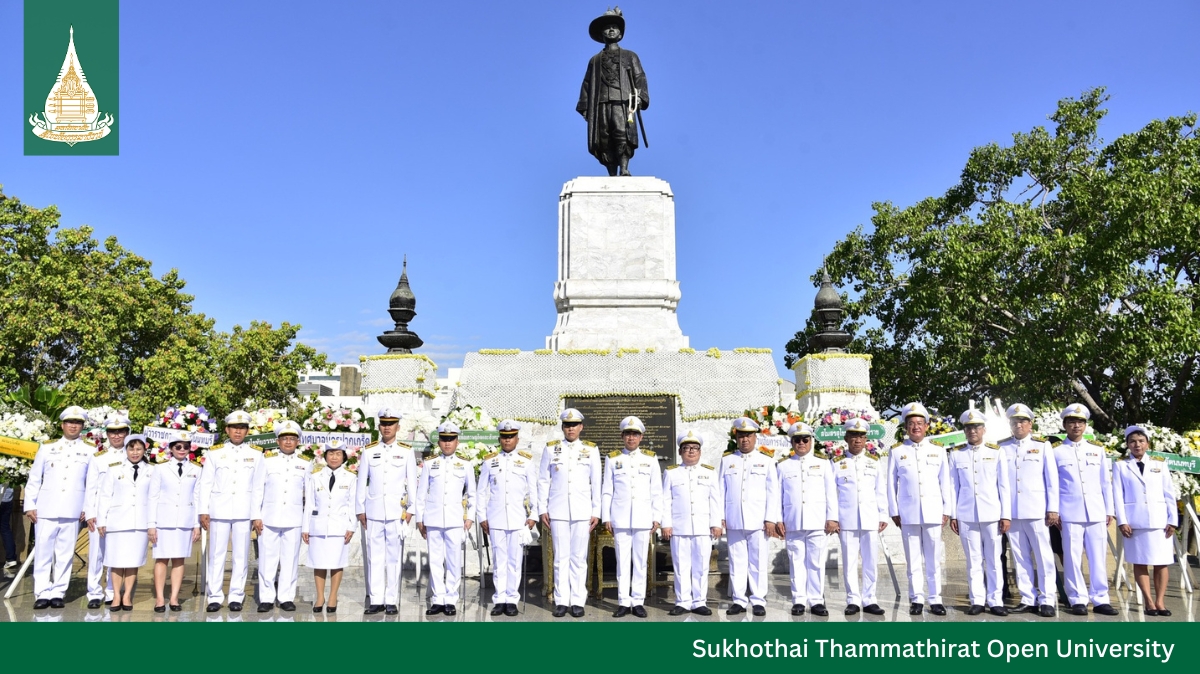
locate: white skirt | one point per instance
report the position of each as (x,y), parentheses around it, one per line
(173,544)
(125,549)
(328,552)
(1150,546)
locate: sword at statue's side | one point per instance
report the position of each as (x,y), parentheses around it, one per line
(635,103)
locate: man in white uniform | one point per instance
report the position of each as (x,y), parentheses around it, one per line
(1033,481)
(116,429)
(982,512)
(507,502)
(806,513)
(277,511)
(631,508)
(387,484)
(54,503)
(569,503)
(445,510)
(861,481)
(225,495)
(1086,509)
(749,481)
(920,502)
(692,509)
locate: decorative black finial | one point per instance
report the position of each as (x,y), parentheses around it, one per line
(402,307)
(829,310)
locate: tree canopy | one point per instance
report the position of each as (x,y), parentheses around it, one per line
(94,320)
(1059,268)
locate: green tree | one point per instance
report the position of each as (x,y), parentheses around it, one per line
(1059,268)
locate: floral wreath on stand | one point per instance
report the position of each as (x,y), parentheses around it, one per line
(837,417)
(771,420)
(472,418)
(336,419)
(21,423)
(181,418)
(263,420)
(97,420)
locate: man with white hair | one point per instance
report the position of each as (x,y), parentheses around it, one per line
(750,483)
(982,505)
(387,487)
(116,429)
(631,509)
(862,514)
(805,513)
(691,515)
(1033,482)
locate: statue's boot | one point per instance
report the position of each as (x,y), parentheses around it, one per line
(625,167)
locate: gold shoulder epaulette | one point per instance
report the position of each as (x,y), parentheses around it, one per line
(672,467)
(219,445)
(270,453)
(403,444)
(819,454)
(767,450)
(552,443)
(197,462)
(992,445)
(1056,443)
(371,445)
(589,443)
(88,442)
(525,454)
(490,456)
(705,465)
(873,457)
(649,452)
(898,444)
(959,446)
(100,452)
(727,452)
(256,448)
(317,468)
(1158,458)
(1038,438)
(1008,439)
(614,454)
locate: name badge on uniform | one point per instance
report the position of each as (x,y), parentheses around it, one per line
(377,456)
(316,512)
(248,460)
(345,486)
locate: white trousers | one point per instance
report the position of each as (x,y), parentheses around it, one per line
(632,546)
(1091,538)
(690,555)
(923,553)
(99,585)
(747,565)
(506,565)
(278,551)
(219,534)
(385,547)
(1029,542)
(860,545)
(570,561)
(806,558)
(53,555)
(981,546)
(445,563)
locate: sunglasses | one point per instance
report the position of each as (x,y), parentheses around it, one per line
(802,439)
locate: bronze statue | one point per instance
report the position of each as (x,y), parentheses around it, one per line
(613,96)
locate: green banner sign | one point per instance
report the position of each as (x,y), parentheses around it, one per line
(835,433)
(1182,464)
(264,440)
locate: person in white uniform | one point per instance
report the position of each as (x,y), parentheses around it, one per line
(506,504)
(54,502)
(982,512)
(1144,498)
(569,484)
(276,513)
(920,502)
(691,512)
(805,514)
(861,482)
(122,518)
(174,523)
(750,484)
(445,512)
(116,429)
(225,493)
(328,522)
(1085,505)
(631,509)
(387,485)
(1033,482)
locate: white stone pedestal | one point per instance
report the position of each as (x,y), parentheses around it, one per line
(407,383)
(616,283)
(828,380)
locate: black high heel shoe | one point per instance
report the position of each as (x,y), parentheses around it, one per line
(331,609)
(318,609)
(160,609)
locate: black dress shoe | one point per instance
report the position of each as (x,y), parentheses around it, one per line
(999,610)
(1047,611)
(331,609)
(937,609)
(1151,611)
(435,609)
(318,609)
(559,611)
(390,609)
(702,610)
(287,606)
(127,607)
(372,609)
(759,610)
(213,607)
(1163,613)
(41,604)
(576,611)
(819,609)
(498,609)
(1106,609)
(235,606)
(797,609)
(450,610)
(160,609)
(916,609)
(179,607)
(264,607)
(735,609)
(677,611)
(639,611)
(975,609)
(511,611)
(873,609)
(95,603)
(1021,608)
(57,602)
(851,609)
(1078,609)
(621,612)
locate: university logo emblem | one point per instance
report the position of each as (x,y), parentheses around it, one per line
(72,114)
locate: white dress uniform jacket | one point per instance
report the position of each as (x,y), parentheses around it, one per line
(1144,499)
(329,512)
(692,500)
(445,492)
(174,498)
(808,494)
(1084,482)
(387,481)
(861,483)
(632,493)
(569,481)
(226,482)
(918,483)
(57,483)
(99,583)
(507,492)
(979,477)
(750,483)
(101,461)
(278,489)
(1032,477)
(124,503)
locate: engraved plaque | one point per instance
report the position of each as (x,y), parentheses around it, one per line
(602,422)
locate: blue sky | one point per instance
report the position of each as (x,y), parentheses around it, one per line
(285,155)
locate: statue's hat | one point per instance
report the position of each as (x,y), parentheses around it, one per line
(611,17)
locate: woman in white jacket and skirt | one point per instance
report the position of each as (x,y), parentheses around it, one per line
(329,522)
(122,519)
(1144,498)
(173,521)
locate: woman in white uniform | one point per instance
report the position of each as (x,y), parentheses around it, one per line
(174,525)
(329,522)
(122,517)
(1144,498)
